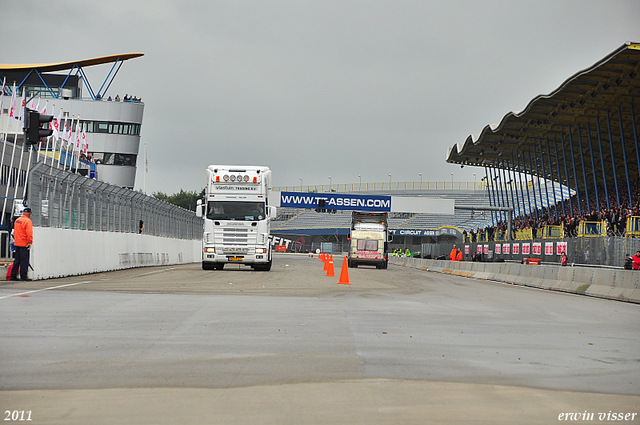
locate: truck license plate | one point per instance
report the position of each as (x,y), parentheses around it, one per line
(235,258)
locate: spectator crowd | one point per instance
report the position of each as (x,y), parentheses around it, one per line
(568,216)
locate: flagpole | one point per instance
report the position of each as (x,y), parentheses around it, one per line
(144,184)
(24,143)
(13,153)
(5,133)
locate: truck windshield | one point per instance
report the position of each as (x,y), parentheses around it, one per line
(367,245)
(245,211)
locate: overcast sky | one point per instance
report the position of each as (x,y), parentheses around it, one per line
(315,89)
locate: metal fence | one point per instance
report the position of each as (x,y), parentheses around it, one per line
(62,199)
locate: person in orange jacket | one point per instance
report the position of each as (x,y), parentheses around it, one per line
(453,254)
(23,238)
(459,255)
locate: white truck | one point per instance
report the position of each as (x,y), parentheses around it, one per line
(236,217)
(369,239)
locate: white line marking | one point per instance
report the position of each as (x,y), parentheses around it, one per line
(46,289)
(79,283)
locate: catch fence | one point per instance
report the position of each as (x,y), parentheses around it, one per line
(62,199)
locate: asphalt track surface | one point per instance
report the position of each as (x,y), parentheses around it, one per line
(177,344)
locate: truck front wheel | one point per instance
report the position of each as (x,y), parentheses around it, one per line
(263,267)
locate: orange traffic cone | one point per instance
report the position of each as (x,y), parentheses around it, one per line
(321,256)
(330,267)
(344,273)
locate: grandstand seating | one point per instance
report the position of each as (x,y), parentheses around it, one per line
(297,219)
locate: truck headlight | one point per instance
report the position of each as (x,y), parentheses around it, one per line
(261,250)
(210,249)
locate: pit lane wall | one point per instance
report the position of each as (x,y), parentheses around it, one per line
(615,284)
(60,252)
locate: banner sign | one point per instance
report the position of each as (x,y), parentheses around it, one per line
(548,248)
(336,201)
(562,247)
(536,248)
(506,248)
(516,249)
(497,249)
(426,232)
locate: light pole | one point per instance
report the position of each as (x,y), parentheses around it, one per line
(360,185)
(300,184)
(389,181)
(474,181)
(420,180)
(329,183)
(451,181)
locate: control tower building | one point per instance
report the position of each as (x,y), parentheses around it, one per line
(112,121)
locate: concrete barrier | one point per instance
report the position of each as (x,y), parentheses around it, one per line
(626,286)
(616,284)
(64,252)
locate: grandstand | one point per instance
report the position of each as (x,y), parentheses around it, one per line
(568,165)
(309,222)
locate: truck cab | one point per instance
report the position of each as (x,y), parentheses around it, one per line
(369,240)
(237,217)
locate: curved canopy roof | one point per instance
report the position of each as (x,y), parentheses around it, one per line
(63,66)
(596,110)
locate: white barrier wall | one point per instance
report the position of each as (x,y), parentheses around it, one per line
(617,284)
(63,252)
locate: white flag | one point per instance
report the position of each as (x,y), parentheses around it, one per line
(4,84)
(24,104)
(44,110)
(56,126)
(12,109)
(78,127)
(64,129)
(69,142)
(84,141)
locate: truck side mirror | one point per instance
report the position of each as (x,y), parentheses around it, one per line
(273,212)
(199,207)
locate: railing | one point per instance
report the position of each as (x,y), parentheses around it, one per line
(524,234)
(500,236)
(592,228)
(367,187)
(633,227)
(552,232)
(412,185)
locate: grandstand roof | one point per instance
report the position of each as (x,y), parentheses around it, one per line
(601,97)
(64,66)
